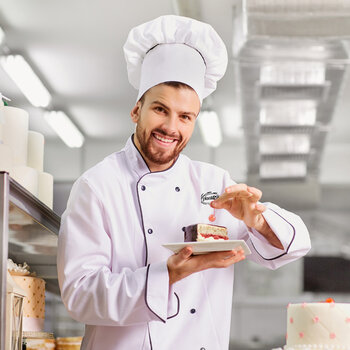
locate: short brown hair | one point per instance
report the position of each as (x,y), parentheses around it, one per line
(174,84)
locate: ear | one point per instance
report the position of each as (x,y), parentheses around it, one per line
(135,112)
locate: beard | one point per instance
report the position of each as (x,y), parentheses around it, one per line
(159,157)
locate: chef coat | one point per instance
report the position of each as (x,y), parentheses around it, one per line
(112,268)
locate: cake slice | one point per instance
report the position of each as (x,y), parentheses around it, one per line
(205,232)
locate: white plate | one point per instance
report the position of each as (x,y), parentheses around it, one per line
(207,247)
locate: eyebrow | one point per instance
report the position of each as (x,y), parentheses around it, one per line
(167,108)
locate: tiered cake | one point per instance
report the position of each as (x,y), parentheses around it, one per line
(34,302)
(316,326)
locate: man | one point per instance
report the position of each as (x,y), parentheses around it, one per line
(114,274)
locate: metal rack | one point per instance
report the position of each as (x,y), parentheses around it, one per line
(28,233)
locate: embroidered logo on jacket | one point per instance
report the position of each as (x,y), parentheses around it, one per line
(207,197)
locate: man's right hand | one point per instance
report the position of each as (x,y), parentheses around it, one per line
(183,263)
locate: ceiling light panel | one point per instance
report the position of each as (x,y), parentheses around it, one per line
(27,81)
(64,128)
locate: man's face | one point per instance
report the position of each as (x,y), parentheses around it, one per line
(165,122)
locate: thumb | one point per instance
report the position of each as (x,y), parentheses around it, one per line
(185,253)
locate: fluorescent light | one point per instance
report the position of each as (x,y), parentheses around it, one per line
(293,73)
(282,169)
(64,128)
(284,144)
(210,128)
(2,36)
(27,81)
(288,113)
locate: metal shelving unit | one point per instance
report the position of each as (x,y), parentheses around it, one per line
(28,233)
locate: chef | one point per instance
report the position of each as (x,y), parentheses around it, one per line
(115,276)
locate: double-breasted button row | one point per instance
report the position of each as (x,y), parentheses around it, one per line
(143,188)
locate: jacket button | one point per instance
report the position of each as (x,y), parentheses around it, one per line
(184,228)
(192,311)
(143,187)
(177,189)
(202,349)
(150,231)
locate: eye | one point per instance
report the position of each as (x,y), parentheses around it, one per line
(186,117)
(159,109)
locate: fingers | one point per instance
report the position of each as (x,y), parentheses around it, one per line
(184,253)
(238,191)
(260,208)
(229,259)
(256,193)
(183,263)
(221,259)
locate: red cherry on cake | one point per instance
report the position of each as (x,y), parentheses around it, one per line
(212,217)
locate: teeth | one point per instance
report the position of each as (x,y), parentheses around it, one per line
(163,139)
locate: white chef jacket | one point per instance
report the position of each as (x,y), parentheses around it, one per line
(112,268)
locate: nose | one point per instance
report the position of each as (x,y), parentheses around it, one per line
(171,124)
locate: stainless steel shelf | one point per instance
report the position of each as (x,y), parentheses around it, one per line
(28,233)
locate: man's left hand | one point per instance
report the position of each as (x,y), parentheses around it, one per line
(242,202)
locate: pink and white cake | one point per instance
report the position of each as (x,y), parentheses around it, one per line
(34,302)
(205,232)
(316,326)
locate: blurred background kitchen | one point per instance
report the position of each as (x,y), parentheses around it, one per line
(281,124)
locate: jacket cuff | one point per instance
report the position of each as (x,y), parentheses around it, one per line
(160,299)
(282,228)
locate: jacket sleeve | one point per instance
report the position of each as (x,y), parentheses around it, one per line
(288,227)
(91,292)
(290,230)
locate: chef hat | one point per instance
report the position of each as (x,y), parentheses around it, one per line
(175,48)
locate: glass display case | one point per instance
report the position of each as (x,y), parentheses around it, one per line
(28,233)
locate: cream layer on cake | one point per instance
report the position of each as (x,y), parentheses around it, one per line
(40,344)
(69,343)
(318,326)
(34,302)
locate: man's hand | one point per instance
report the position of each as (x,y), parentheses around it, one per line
(183,263)
(242,202)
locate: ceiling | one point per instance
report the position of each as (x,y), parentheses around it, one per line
(76,49)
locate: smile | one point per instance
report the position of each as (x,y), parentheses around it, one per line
(164,139)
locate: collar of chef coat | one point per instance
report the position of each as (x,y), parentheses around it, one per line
(138,164)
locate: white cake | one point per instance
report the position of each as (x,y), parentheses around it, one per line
(34,302)
(316,326)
